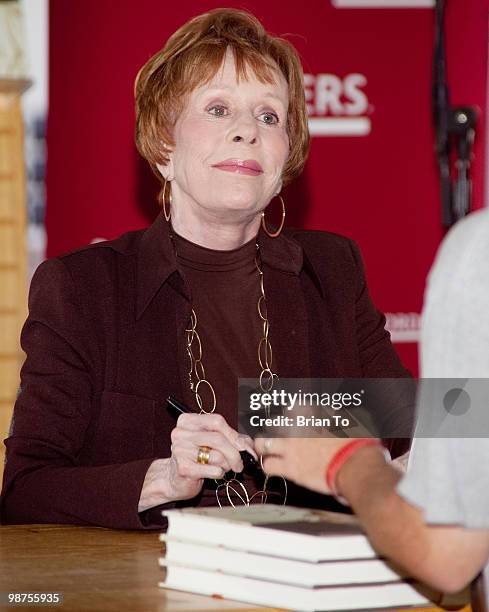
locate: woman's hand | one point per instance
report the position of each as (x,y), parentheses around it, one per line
(196,430)
(181,476)
(302,460)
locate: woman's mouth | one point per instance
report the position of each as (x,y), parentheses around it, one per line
(240,166)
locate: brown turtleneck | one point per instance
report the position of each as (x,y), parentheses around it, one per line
(225,288)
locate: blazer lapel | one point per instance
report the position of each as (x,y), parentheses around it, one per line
(289,334)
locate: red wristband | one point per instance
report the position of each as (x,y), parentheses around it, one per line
(341,456)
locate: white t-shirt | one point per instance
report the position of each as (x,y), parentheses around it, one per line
(448,478)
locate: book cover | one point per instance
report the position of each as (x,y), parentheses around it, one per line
(282,531)
(276,569)
(363,597)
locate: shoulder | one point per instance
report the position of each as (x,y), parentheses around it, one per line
(466,243)
(455,328)
(124,246)
(92,258)
(327,250)
(92,269)
(473,226)
(462,260)
(320,240)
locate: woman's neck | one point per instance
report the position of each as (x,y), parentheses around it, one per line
(218,231)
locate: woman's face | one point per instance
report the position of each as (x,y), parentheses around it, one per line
(231,145)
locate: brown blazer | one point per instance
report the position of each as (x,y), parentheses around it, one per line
(105,346)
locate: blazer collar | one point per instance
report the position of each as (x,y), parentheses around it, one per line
(155,264)
(156,260)
(286,254)
(280,253)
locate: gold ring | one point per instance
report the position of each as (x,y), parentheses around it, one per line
(203,455)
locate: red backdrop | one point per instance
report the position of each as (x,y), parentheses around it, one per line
(369,66)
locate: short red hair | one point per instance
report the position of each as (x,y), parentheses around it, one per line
(192,56)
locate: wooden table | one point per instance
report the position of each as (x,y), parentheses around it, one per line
(96,569)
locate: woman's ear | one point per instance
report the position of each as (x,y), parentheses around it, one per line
(166,170)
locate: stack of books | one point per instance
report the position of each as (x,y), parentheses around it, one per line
(281,556)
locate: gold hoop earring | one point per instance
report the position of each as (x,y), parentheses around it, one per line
(163,197)
(264,223)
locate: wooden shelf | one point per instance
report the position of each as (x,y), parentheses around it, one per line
(13,256)
(8,311)
(14,87)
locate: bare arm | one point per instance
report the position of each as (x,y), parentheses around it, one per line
(447,557)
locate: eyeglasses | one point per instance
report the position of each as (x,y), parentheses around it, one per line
(232,492)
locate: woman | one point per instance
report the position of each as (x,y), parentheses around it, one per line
(186,307)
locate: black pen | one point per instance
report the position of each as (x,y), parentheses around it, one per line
(176,408)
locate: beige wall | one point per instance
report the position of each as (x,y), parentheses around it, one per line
(13,281)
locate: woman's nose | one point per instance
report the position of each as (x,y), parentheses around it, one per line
(238,138)
(244,129)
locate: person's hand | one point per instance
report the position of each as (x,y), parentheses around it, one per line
(302,460)
(180,476)
(197,430)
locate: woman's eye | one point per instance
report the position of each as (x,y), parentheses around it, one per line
(269,118)
(218,110)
